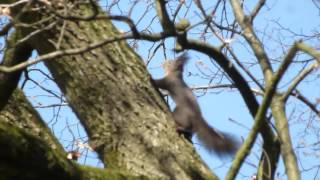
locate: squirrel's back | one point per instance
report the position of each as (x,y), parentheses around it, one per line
(187,113)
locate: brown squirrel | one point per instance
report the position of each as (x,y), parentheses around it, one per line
(187,113)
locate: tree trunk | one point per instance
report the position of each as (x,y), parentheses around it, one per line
(110,91)
(29,151)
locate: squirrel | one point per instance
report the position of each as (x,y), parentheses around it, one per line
(187,113)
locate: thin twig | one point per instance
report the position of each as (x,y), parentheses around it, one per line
(256,9)
(299,78)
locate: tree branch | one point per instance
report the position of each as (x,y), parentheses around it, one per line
(253,41)
(258,121)
(241,84)
(309,50)
(285,63)
(5,29)
(299,78)
(208,19)
(268,96)
(60,53)
(303,99)
(256,10)
(14,54)
(28,146)
(70,17)
(166,23)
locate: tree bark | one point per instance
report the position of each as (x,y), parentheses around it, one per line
(110,91)
(287,152)
(29,150)
(12,56)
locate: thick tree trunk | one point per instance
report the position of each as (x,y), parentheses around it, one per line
(109,89)
(28,148)
(30,151)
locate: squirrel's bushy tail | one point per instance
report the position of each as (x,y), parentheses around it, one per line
(214,141)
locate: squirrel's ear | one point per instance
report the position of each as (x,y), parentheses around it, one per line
(182,59)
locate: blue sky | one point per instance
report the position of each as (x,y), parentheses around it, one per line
(218,106)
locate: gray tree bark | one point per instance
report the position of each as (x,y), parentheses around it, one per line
(109,89)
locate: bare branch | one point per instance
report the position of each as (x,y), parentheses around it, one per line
(299,78)
(253,40)
(167,24)
(244,68)
(309,50)
(5,29)
(60,53)
(13,4)
(208,19)
(305,100)
(178,9)
(258,121)
(260,117)
(286,62)
(125,19)
(75,51)
(241,84)
(74,17)
(34,33)
(215,86)
(256,9)
(8,26)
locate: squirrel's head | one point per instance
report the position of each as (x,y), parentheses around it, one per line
(175,66)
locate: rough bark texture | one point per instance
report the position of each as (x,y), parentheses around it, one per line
(109,90)
(29,150)
(13,55)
